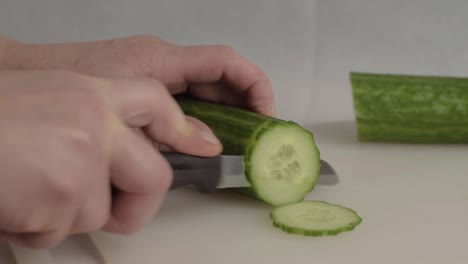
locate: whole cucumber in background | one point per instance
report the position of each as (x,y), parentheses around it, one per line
(410,109)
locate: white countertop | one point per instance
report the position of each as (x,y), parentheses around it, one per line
(413,200)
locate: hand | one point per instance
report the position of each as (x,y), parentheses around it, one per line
(213,73)
(65,138)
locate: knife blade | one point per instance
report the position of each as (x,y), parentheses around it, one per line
(222,171)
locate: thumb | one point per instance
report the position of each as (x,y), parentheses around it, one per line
(204,132)
(147,104)
(203,129)
(199,135)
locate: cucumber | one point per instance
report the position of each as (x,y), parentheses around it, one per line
(280,158)
(315,218)
(410,108)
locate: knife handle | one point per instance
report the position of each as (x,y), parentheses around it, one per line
(202,172)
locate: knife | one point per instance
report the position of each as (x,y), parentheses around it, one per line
(223,171)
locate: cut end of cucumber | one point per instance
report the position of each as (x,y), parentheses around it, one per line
(281,159)
(315,218)
(284,165)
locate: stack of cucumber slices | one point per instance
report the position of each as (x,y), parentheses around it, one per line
(282,164)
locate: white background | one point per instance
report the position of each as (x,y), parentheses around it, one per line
(307,47)
(277,35)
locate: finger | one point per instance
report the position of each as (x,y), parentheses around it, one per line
(95,210)
(147,104)
(177,88)
(156,145)
(141,177)
(37,229)
(7,236)
(162,147)
(218,93)
(136,165)
(11,238)
(210,64)
(197,123)
(40,240)
(131,212)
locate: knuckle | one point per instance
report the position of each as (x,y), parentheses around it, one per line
(97,222)
(159,181)
(84,150)
(164,178)
(80,147)
(144,38)
(88,93)
(141,44)
(67,182)
(227,51)
(26,222)
(267,90)
(165,181)
(94,221)
(84,95)
(161,95)
(129,228)
(90,122)
(78,84)
(65,188)
(138,52)
(158,87)
(41,241)
(70,180)
(93,109)
(122,226)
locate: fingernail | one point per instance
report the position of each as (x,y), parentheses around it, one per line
(272,110)
(203,131)
(209,137)
(177,88)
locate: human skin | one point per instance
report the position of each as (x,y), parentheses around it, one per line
(215,73)
(78,118)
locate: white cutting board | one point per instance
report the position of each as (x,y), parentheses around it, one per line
(413,200)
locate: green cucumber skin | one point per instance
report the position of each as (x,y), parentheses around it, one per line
(250,192)
(246,191)
(410,109)
(417,133)
(238,130)
(316,233)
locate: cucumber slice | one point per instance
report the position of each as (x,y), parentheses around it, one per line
(281,159)
(315,218)
(410,109)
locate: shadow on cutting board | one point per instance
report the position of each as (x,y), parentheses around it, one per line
(6,256)
(189,201)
